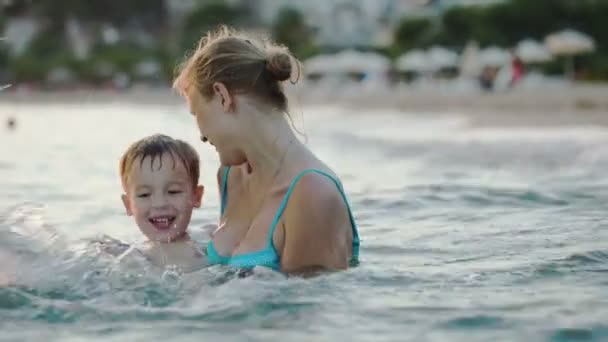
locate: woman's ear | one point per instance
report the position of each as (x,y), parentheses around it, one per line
(223,94)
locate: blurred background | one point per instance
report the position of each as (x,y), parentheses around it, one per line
(378,47)
(470,137)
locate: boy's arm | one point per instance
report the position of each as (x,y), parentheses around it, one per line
(110,245)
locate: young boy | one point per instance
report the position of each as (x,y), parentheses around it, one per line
(160,177)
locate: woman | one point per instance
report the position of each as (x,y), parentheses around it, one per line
(281,206)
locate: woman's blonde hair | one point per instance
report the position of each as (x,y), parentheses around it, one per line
(243,63)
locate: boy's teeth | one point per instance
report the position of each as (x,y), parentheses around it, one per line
(162,222)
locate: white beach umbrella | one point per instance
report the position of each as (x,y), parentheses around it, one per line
(376,62)
(531,51)
(415,60)
(441,57)
(347,61)
(356,61)
(470,64)
(569,43)
(494,56)
(318,64)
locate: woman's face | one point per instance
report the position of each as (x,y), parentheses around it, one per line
(219,127)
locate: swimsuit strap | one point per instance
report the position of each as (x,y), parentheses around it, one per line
(277,216)
(224,193)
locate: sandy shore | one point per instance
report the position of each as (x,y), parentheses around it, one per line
(585,104)
(576,103)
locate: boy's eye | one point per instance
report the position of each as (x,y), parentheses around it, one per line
(175,192)
(143,195)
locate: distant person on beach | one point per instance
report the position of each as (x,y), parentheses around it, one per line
(11,123)
(281,207)
(517,69)
(487,78)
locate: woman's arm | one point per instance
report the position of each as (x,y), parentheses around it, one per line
(317,228)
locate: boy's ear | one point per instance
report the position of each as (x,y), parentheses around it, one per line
(127,204)
(198,196)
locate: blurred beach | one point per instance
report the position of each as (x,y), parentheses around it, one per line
(566,104)
(425,57)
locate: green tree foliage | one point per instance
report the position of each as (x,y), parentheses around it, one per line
(291,29)
(507,23)
(46,51)
(413,33)
(118,12)
(208,17)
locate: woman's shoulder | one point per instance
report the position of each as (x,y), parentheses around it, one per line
(317,177)
(317,180)
(316,215)
(318,184)
(316,190)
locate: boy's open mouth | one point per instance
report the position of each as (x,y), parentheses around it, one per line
(162,222)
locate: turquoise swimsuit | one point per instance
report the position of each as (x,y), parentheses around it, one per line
(268,256)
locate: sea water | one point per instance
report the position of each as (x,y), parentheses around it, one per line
(468,233)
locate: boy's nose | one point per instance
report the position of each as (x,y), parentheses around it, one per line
(159,201)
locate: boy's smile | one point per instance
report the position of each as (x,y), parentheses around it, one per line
(161,197)
(162,222)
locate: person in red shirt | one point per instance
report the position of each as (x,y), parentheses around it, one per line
(517,69)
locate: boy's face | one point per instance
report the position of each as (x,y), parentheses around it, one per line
(160,197)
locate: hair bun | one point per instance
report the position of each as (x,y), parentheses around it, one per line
(279,66)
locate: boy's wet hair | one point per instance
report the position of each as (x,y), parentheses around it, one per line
(155,146)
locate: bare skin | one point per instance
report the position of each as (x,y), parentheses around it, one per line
(314,233)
